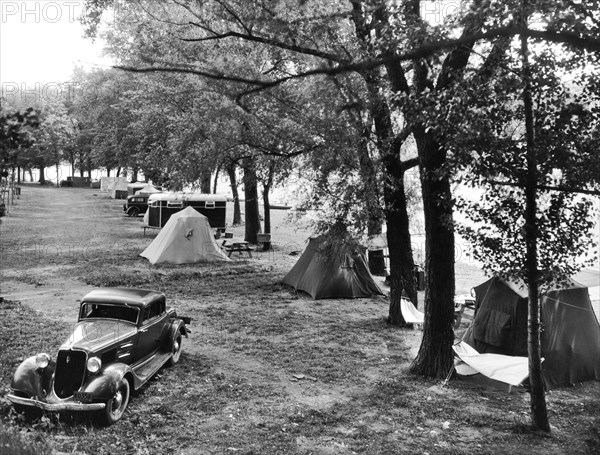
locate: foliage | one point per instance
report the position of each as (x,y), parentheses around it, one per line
(490,150)
(16,132)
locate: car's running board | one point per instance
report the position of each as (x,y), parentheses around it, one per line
(146,370)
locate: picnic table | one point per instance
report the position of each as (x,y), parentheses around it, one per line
(231,245)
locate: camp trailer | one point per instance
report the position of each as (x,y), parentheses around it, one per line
(162,205)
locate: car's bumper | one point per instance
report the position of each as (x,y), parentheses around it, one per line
(62,406)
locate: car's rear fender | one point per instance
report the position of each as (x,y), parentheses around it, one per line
(31,381)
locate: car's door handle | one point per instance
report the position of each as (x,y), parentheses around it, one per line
(143,330)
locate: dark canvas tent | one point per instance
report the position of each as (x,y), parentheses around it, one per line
(331,268)
(570,337)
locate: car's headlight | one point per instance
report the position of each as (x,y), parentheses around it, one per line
(42,360)
(94,364)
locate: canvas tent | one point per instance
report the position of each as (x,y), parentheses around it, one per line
(186,238)
(147,190)
(570,337)
(332,269)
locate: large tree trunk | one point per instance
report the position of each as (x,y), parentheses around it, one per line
(252,216)
(390,151)
(370,187)
(237,212)
(402,264)
(395,211)
(134,175)
(42,178)
(539,412)
(435,357)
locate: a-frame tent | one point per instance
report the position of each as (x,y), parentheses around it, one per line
(331,268)
(570,338)
(186,238)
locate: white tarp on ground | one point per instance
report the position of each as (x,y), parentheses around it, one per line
(410,313)
(505,368)
(186,238)
(111,183)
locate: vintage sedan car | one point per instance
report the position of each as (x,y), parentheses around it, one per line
(122,338)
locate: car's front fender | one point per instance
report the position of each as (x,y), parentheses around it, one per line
(103,385)
(31,381)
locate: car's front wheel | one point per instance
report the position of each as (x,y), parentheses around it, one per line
(116,405)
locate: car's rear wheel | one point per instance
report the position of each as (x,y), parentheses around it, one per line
(176,350)
(116,405)
(133,211)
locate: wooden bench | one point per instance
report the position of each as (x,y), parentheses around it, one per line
(240,248)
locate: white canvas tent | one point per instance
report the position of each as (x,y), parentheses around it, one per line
(186,238)
(147,190)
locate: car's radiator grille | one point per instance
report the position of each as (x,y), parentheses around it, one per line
(70,371)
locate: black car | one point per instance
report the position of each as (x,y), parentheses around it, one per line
(122,338)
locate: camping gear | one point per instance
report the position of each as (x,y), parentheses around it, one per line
(331,268)
(186,238)
(162,205)
(570,339)
(512,370)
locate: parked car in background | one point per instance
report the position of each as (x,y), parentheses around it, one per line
(136,205)
(122,338)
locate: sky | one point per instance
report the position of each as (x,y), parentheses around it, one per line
(41,41)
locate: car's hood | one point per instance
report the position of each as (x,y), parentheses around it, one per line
(97,334)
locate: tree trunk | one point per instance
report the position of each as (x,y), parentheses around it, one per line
(395,211)
(118,171)
(402,266)
(108,172)
(539,412)
(435,357)
(205,182)
(252,216)
(30,175)
(368,175)
(134,175)
(42,178)
(57,174)
(267,215)
(237,212)
(216,179)
(19,174)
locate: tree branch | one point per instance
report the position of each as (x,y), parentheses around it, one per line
(428,49)
(564,189)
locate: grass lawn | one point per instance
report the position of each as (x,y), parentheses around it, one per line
(265,370)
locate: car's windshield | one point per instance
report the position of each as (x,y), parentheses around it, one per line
(108,311)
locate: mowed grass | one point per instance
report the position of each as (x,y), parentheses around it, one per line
(270,371)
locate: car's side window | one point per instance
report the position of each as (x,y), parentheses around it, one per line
(154,310)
